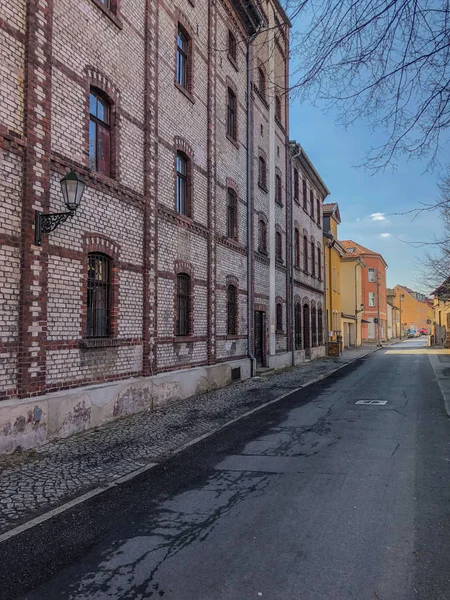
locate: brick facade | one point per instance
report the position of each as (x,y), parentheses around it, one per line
(54,53)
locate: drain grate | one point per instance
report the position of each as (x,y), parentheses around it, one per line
(372,402)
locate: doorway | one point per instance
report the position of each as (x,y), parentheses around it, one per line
(259,337)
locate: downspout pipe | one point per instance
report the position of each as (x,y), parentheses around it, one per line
(329,244)
(249,206)
(291,269)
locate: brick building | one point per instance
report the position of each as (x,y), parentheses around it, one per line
(142,296)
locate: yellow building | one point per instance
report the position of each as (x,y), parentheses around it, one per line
(413,307)
(352,304)
(333,251)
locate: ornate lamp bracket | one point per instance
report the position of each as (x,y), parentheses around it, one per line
(45,223)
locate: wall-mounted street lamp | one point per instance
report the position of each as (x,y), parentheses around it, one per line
(72,187)
(361,308)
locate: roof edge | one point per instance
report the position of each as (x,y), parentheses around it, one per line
(297,148)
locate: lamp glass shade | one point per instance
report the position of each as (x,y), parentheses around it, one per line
(72,187)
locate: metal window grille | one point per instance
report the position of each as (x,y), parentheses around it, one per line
(231,115)
(232,46)
(320,325)
(262,175)
(262,242)
(182,185)
(279,246)
(298,326)
(279,317)
(182,59)
(98,296)
(231,310)
(231,214)
(305,254)
(183,304)
(313,326)
(99,134)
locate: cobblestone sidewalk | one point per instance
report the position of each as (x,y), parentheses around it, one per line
(33,482)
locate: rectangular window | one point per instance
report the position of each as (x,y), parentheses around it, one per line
(319,263)
(231,115)
(305,254)
(278,190)
(232,310)
(98,296)
(182,205)
(278,246)
(371,298)
(311,199)
(279,317)
(99,135)
(305,195)
(182,67)
(296,187)
(371,274)
(232,46)
(231,214)
(313,260)
(297,249)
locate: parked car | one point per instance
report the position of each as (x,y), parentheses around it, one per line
(423,331)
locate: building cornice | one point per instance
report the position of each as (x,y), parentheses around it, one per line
(308,167)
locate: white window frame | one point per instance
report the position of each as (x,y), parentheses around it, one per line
(371,275)
(372,299)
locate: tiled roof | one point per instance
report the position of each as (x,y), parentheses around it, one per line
(328,207)
(358,250)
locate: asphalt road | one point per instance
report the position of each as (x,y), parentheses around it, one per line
(313,498)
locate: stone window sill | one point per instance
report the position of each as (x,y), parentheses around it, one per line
(233,61)
(185,92)
(109,13)
(233,140)
(100,343)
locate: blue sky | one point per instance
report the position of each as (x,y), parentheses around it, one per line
(368,200)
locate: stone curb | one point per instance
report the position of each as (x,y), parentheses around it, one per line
(143,469)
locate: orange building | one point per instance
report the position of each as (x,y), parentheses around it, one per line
(373,291)
(414,308)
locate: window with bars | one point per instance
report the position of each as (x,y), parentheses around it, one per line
(262,173)
(98,296)
(231,310)
(182,183)
(232,46)
(296,187)
(298,325)
(182,67)
(183,304)
(99,134)
(278,190)
(231,115)
(314,326)
(297,248)
(278,108)
(305,253)
(262,236)
(278,246)
(231,213)
(311,199)
(305,195)
(320,326)
(261,83)
(313,259)
(319,263)
(279,317)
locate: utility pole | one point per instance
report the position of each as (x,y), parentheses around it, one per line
(378,307)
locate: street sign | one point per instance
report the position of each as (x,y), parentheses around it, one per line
(376,320)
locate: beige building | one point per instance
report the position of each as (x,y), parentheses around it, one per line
(352,304)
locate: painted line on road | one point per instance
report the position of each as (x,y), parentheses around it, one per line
(129,476)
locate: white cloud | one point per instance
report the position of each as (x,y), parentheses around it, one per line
(385,235)
(377,217)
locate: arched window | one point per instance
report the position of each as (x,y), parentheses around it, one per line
(305,253)
(99,134)
(262,236)
(298,325)
(231,115)
(320,326)
(231,310)
(296,187)
(261,83)
(262,173)
(313,259)
(279,317)
(98,309)
(278,246)
(183,66)
(182,191)
(278,190)
(183,304)
(278,108)
(231,214)
(297,248)
(314,326)
(305,195)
